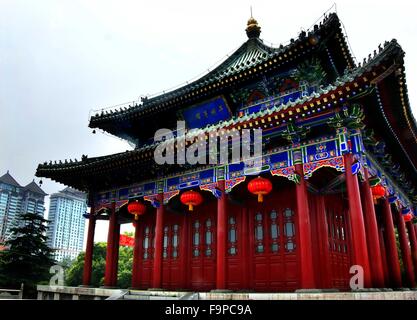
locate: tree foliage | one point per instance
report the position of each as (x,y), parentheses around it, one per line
(27,259)
(74,274)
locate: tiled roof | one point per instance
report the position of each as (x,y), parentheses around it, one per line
(390,48)
(8,179)
(253,53)
(33,187)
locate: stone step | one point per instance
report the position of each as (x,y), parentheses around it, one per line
(173,294)
(156,295)
(144,297)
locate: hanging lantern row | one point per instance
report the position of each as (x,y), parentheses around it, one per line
(136,208)
(191,199)
(378,192)
(407,214)
(260,187)
(407,217)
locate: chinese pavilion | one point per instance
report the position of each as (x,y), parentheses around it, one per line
(338,174)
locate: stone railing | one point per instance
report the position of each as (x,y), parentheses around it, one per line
(11,293)
(76,293)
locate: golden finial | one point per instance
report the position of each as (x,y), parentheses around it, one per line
(253,30)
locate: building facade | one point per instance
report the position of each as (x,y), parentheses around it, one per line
(337,173)
(16,199)
(66,223)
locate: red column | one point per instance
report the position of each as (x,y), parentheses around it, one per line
(88,261)
(221,238)
(415,229)
(136,257)
(360,250)
(108,274)
(413,243)
(384,257)
(372,237)
(307,280)
(323,241)
(405,250)
(115,259)
(391,245)
(159,237)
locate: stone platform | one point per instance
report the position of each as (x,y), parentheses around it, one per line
(386,295)
(87,293)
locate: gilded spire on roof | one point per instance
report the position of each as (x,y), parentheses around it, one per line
(253,30)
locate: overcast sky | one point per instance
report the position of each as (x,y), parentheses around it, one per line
(59,60)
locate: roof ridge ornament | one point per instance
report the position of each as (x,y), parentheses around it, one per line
(253,30)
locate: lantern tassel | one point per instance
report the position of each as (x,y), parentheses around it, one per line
(136,217)
(260,197)
(190,207)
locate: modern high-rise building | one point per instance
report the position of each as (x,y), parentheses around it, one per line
(67,223)
(16,199)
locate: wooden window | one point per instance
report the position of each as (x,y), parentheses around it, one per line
(289,230)
(232,237)
(196,239)
(175,241)
(337,232)
(259,233)
(209,238)
(165,247)
(146,243)
(274,231)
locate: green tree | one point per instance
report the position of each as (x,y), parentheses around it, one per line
(124,274)
(74,274)
(66,263)
(28,258)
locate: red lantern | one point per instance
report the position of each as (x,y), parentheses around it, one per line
(378,192)
(260,186)
(191,199)
(407,217)
(137,208)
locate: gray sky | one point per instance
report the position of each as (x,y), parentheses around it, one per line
(61,59)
